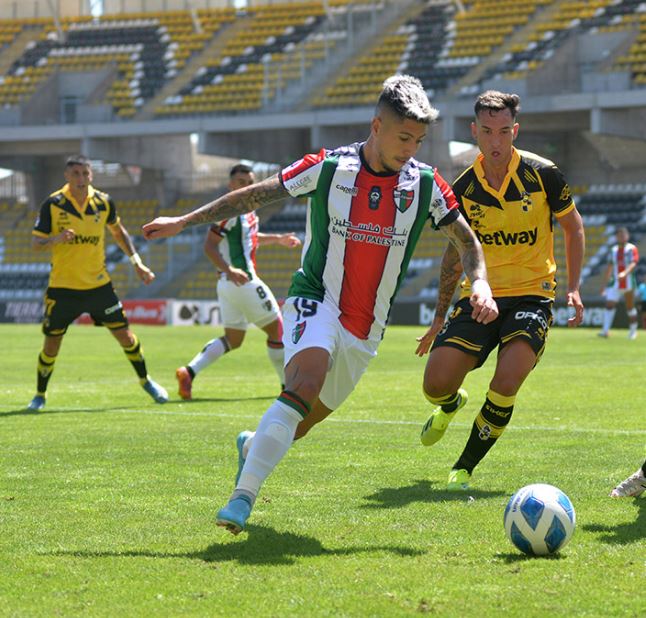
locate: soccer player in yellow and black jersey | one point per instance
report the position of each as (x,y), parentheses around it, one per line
(510,198)
(71,224)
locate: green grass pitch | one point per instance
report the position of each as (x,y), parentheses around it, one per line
(107,500)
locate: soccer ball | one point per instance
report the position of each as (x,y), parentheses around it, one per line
(539,519)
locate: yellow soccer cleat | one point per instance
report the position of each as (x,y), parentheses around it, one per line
(458,480)
(436,425)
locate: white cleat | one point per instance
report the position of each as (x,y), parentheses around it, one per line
(633,486)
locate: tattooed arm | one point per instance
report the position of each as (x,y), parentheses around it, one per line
(464,252)
(450,272)
(227,206)
(468,248)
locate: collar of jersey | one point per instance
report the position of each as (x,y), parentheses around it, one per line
(511,170)
(370,170)
(68,194)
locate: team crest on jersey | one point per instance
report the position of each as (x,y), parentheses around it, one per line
(374,197)
(566,194)
(526,201)
(403,199)
(297,332)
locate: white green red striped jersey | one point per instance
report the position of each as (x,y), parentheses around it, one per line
(239,241)
(621,257)
(362,228)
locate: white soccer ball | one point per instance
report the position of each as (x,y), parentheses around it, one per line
(539,519)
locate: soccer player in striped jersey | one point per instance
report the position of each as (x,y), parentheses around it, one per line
(509,197)
(244,297)
(71,224)
(621,281)
(368,205)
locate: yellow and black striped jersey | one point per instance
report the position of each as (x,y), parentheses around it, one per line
(79,264)
(514,224)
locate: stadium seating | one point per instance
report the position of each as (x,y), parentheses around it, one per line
(576,16)
(240,78)
(439,45)
(145,49)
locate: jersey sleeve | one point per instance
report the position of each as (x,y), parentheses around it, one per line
(443,208)
(557,190)
(43,225)
(218,228)
(301,177)
(112,212)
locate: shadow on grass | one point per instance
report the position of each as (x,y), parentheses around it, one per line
(422,491)
(133,408)
(625,533)
(513,558)
(261,545)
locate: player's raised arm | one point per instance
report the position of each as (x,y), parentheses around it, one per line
(485,309)
(230,205)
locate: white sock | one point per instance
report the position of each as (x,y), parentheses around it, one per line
(608,318)
(247,445)
(632,318)
(272,440)
(209,354)
(277,358)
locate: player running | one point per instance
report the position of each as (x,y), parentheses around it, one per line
(508,197)
(368,205)
(244,298)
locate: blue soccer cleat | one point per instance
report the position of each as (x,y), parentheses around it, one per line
(157,392)
(37,403)
(243,436)
(234,515)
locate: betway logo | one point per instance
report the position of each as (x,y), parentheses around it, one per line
(508,238)
(86,240)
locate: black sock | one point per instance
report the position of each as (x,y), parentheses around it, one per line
(44,372)
(644,468)
(448,403)
(135,355)
(190,372)
(487,428)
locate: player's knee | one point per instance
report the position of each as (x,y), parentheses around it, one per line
(435,385)
(506,385)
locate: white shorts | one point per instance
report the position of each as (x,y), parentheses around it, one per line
(312,324)
(614,295)
(252,303)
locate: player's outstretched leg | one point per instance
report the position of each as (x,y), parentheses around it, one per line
(447,408)
(185,382)
(156,391)
(633,486)
(271,442)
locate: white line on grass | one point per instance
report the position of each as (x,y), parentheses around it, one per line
(358,421)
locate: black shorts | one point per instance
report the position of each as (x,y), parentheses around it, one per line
(63,306)
(519,316)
